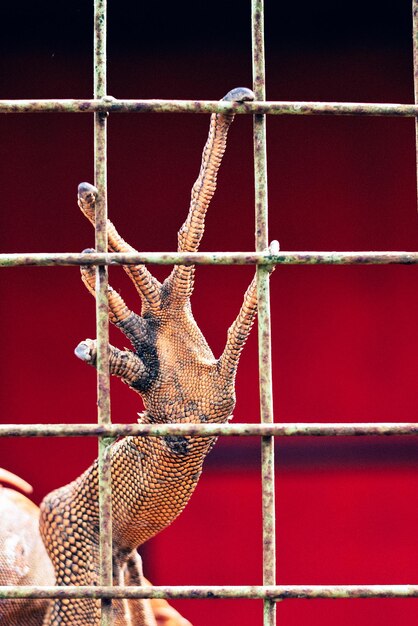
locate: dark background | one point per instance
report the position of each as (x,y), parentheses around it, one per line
(344,338)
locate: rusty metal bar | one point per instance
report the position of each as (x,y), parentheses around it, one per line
(212,258)
(270,593)
(102,310)
(291,429)
(282,107)
(263,297)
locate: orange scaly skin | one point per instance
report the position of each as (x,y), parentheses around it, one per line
(179,379)
(24,561)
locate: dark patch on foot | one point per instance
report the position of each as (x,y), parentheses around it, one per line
(177,445)
(147,352)
(142,333)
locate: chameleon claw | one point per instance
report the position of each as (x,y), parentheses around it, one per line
(87,196)
(239,94)
(88,268)
(85,190)
(274,247)
(85,351)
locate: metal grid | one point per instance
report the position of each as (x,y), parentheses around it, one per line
(264,257)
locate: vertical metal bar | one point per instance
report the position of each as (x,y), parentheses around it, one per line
(415,53)
(102,317)
(263,292)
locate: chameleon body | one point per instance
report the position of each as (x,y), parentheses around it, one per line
(179,379)
(24,561)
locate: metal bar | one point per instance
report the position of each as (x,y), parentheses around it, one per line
(255,592)
(273,107)
(102,311)
(263,298)
(297,429)
(291,429)
(415,59)
(52,259)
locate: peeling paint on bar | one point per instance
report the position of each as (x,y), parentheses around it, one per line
(212,258)
(291,429)
(280,107)
(255,592)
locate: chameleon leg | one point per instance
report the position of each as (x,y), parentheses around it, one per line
(190,234)
(147,286)
(140,610)
(179,380)
(238,334)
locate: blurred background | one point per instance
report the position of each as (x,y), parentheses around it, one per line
(344,338)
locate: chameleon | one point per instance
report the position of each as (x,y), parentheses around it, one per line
(175,372)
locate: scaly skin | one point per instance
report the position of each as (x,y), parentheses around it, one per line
(179,379)
(24,561)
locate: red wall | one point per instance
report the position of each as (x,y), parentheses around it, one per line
(344,338)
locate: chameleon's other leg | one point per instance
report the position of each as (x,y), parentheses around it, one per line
(122,363)
(131,324)
(163,614)
(190,234)
(140,610)
(147,286)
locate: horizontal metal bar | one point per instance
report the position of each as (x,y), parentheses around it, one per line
(273,592)
(212,258)
(282,107)
(297,429)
